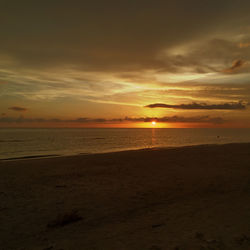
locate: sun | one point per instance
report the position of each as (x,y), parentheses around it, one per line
(154,123)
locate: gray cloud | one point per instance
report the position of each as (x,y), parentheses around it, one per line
(84,120)
(111,35)
(208,56)
(194,105)
(17,108)
(194,119)
(179,119)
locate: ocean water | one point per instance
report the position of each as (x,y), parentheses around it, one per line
(18,143)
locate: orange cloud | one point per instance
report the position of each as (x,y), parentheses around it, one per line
(244,45)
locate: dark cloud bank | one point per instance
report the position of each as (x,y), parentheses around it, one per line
(84,120)
(108,35)
(194,105)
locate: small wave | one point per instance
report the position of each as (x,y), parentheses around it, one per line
(29,157)
(13,140)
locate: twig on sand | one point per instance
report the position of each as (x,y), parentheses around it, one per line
(65,219)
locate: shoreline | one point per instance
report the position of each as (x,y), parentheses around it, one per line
(48,156)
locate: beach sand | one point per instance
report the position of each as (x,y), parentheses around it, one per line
(179,198)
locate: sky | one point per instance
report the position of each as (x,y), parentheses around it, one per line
(125,63)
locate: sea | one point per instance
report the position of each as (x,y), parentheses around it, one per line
(36,142)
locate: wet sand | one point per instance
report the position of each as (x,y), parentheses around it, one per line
(181,198)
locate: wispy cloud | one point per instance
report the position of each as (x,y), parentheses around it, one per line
(235,66)
(194,105)
(17,108)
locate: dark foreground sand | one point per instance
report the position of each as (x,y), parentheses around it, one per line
(183,198)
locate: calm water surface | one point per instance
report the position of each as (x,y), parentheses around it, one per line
(40,142)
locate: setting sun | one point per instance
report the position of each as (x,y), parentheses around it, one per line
(153,122)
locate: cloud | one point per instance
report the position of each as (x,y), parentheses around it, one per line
(18,109)
(90,55)
(179,119)
(206,56)
(244,45)
(84,120)
(113,35)
(193,119)
(194,105)
(238,64)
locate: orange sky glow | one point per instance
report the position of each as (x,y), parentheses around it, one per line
(77,67)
